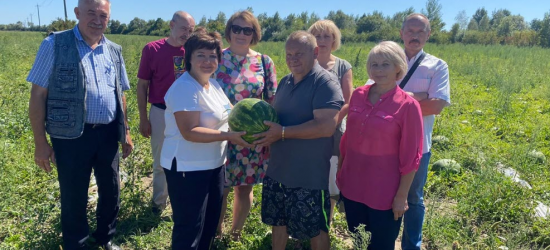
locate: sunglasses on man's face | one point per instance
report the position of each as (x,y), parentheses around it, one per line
(247,31)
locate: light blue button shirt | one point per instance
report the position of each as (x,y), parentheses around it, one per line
(99,72)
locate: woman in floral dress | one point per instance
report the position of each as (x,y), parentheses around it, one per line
(244,73)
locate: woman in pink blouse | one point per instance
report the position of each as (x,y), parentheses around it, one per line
(381,148)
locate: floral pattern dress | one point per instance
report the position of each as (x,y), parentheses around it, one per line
(243,77)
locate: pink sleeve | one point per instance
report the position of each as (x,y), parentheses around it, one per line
(412,133)
(144,71)
(343,145)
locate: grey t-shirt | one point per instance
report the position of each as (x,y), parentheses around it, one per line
(339,68)
(304,163)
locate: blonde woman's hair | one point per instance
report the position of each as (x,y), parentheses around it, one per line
(392,52)
(330,27)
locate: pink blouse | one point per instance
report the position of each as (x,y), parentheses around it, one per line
(382,142)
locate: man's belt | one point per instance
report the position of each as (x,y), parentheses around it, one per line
(159,105)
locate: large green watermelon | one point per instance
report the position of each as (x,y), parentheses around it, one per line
(249,115)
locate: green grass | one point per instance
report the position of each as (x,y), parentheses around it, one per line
(476,209)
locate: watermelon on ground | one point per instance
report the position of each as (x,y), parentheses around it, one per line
(446,166)
(249,115)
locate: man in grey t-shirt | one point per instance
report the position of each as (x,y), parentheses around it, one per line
(295,197)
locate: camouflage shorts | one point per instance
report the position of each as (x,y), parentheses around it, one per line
(303,211)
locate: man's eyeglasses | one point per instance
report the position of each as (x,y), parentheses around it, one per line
(247,31)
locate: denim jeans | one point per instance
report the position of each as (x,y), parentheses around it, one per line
(414,217)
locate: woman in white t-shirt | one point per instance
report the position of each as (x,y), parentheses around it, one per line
(194,149)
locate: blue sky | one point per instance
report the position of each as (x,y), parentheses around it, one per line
(126,10)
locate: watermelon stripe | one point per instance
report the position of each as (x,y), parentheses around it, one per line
(249,114)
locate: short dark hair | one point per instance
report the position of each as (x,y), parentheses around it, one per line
(202,39)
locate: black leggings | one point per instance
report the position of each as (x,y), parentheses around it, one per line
(196,200)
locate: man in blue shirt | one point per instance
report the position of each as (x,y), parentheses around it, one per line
(77,97)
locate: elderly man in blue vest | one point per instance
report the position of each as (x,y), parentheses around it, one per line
(77,97)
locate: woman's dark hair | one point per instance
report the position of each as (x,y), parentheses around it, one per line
(202,39)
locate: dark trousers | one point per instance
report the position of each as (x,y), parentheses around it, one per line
(196,200)
(380,223)
(96,149)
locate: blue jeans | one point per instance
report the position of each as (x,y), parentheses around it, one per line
(414,217)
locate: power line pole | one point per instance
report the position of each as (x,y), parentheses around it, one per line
(65,4)
(38,15)
(31,19)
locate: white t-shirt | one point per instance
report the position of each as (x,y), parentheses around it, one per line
(186,94)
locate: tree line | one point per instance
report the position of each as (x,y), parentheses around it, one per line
(498,27)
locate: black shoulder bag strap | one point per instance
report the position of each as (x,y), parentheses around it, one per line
(411,71)
(264,93)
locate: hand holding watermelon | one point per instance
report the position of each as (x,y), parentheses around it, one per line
(249,115)
(237,138)
(272,135)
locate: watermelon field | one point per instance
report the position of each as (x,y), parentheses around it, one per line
(497,129)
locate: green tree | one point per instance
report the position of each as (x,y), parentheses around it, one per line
(272,27)
(454,32)
(157,28)
(202,22)
(462,20)
(57,25)
(370,23)
(536,24)
(216,25)
(433,12)
(498,15)
(341,19)
(544,32)
(397,19)
(473,25)
(312,19)
(221,17)
(136,26)
(480,13)
(484,24)
(116,27)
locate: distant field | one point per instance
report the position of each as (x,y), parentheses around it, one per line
(500,113)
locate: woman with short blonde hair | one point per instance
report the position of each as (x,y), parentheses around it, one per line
(328,38)
(381,148)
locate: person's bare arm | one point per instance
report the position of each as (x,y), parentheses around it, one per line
(419,96)
(399,205)
(322,125)
(429,106)
(144,123)
(128,146)
(432,106)
(43,152)
(188,125)
(347,90)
